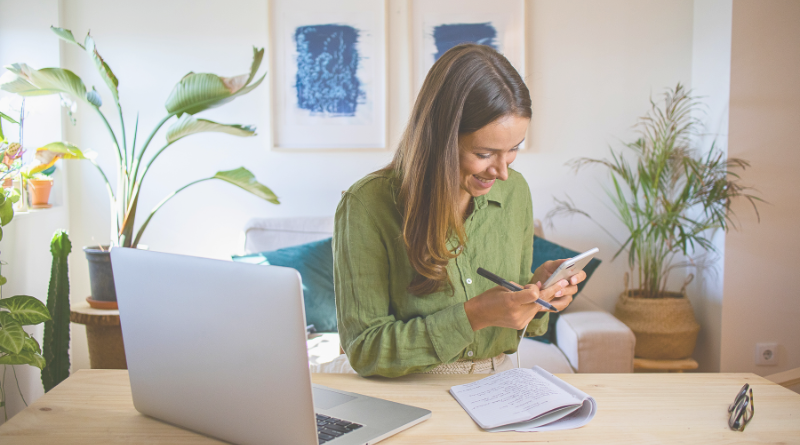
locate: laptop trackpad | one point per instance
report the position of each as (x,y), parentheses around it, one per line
(324,399)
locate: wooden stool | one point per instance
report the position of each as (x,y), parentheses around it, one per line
(104,335)
(650,365)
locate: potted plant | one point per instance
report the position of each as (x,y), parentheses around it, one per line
(17,347)
(39,186)
(9,154)
(194,93)
(670,199)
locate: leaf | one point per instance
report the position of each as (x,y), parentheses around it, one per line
(67,150)
(25,309)
(102,67)
(12,336)
(17,85)
(188,125)
(31,345)
(200,91)
(8,118)
(65,35)
(31,82)
(13,196)
(241,177)
(24,358)
(3,280)
(47,156)
(6,212)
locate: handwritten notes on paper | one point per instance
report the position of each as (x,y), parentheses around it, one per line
(525,400)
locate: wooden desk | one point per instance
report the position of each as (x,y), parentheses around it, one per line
(94,406)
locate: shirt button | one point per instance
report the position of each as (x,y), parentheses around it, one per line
(469,354)
(469,280)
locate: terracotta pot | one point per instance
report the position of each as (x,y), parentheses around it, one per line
(665,328)
(8,182)
(39,191)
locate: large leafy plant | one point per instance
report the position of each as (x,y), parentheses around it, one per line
(194,93)
(670,198)
(17,347)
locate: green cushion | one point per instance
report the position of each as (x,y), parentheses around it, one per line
(544,250)
(314,262)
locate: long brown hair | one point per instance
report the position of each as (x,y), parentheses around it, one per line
(467,88)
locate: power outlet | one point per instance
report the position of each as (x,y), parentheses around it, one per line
(767,354)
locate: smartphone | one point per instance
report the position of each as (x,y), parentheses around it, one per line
(570,267)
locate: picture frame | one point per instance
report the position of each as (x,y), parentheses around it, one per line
(440,25)
(328,62)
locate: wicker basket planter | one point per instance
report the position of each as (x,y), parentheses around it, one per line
(665,328)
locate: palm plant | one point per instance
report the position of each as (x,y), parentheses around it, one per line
(194,93)
(670,198)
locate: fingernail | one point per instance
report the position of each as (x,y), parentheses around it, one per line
(558,294)
(563,283)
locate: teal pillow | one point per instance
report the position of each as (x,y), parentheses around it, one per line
(314,262)
(544,250)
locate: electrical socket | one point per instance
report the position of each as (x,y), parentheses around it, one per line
(767,354)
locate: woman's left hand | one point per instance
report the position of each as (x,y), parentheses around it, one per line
(568,288)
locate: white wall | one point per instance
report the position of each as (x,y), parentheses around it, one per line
(711,69)
(26,240)
(592,66)
(761,303)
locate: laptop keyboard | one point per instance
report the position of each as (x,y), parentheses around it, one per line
(329,428)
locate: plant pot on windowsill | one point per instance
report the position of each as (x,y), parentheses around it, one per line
(665,327)
(101,276)
(39,192)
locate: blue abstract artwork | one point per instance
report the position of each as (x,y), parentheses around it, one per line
(327,65)
(450,35)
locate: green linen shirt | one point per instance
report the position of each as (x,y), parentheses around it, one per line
(384,329)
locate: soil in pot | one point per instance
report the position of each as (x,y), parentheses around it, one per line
(665,328)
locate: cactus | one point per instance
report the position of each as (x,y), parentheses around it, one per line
(56,331)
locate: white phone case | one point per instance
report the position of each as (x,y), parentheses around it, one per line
(570,267)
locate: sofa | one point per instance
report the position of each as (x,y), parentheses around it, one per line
(588,338)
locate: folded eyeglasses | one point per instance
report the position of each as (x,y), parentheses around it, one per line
(741,409)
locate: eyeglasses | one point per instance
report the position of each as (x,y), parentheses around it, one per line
(741,409)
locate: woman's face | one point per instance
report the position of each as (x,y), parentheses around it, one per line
(485,154)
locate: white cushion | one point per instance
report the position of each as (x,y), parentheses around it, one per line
(593,340)
(265,234)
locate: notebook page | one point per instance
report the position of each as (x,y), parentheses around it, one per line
(511,396)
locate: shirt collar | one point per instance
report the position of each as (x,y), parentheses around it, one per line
(497,195)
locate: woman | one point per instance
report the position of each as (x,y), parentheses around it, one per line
(408,239)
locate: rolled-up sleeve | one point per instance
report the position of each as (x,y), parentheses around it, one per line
(376,343)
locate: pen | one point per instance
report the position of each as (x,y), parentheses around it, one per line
(510,286)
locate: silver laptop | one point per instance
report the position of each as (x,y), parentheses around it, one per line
(219,347)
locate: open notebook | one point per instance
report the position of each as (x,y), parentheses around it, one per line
(525,400)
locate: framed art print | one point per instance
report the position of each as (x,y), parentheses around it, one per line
(442,24)
(328,62)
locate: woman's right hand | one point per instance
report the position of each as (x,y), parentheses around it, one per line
(501,307)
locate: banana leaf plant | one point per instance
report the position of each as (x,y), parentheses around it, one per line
(194,93)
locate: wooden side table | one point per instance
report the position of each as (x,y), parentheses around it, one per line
(104,335)
(650,365)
